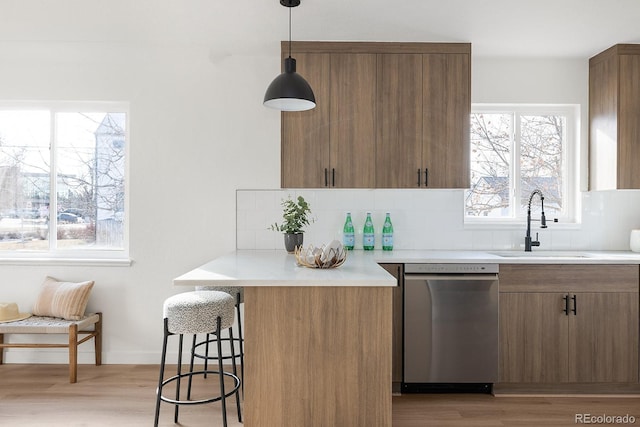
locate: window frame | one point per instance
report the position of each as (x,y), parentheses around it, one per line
(78,256)
(571,163)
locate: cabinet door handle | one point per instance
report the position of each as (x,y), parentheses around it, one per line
(326,182)
(575,305)
(426,177)
(419,175)
(333,177)
(566,304)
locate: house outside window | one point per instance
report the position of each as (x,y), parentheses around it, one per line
(516,149)
(63,180)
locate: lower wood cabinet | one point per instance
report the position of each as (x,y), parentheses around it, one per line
(569,323)
(397,270)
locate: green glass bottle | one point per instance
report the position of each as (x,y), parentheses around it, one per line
(348,234)
(368,234)
(387,234)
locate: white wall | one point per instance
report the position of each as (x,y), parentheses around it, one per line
(198,133)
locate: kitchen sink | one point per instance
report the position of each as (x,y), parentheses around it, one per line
(542,254)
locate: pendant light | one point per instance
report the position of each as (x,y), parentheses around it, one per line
(289,91)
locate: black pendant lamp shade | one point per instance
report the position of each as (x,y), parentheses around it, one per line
(289,91)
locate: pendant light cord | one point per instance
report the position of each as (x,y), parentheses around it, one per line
(290,32)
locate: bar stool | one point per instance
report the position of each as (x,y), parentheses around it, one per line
(237,292)
(196,313)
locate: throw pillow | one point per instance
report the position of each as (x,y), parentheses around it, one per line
(67,300)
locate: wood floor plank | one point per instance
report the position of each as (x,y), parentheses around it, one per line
(124,396)
(485,410)
(108,395)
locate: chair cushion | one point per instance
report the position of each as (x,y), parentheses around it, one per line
(66,300)
(47,325)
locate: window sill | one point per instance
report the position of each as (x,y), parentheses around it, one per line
(91,262)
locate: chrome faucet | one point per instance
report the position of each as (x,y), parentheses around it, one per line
(528,242)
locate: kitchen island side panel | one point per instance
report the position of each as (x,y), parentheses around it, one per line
(318,356)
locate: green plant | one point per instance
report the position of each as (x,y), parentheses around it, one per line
(296,215)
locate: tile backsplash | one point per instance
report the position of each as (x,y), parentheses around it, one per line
(432,219)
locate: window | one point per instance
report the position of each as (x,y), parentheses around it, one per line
(518,149)
(63,180)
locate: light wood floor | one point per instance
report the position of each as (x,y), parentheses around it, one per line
(124,395)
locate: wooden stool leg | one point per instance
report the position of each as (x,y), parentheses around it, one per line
(1,349)
(97,340)
(73,353)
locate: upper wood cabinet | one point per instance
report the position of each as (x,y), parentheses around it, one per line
(332,145)
(399,120)
(569,323)
(305,134)
(446,119)
(352,120)
(614,118)
(394,115)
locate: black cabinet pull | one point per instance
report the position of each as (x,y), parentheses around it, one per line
(575,305)
(333,177)
(326,182)
(566,304)
(426,177)
(419,178)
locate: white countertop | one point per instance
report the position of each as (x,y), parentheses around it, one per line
(508,257)
(277,268)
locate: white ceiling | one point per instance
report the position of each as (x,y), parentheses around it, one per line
(542,28)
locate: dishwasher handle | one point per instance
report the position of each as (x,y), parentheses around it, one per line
(475,277)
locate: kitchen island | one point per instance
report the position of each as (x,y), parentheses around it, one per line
(317,342)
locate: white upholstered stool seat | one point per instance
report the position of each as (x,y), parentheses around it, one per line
(199,312)
(196,312)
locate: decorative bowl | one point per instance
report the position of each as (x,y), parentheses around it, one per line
(327,256)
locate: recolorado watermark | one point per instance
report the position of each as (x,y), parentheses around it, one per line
(604,419)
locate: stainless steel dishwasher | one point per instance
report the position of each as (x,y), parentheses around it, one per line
(450,327)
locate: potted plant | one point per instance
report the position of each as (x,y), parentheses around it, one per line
(296,214)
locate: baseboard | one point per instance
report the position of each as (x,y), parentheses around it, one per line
(567,389)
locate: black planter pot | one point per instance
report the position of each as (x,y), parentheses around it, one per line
(291,241)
